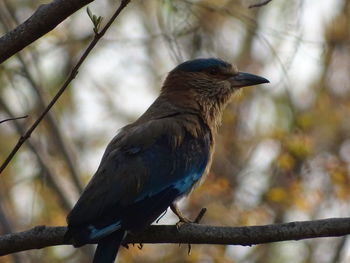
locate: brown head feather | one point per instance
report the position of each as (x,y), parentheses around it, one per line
(205,92)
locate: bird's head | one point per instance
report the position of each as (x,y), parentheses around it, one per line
(207,84)
(210,77)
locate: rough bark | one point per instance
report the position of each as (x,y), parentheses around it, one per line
(42,236)
(44,19)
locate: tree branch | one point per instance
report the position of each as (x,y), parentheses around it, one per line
(265,2)
(74,72)
(42,101)
(48,174)
(15,118)
(42,236)
(44,19)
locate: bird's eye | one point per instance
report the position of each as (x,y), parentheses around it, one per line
(213,71)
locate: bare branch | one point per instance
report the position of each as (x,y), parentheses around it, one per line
(44,19)
(42,101)
(72,75)
(12,119)
(42,236)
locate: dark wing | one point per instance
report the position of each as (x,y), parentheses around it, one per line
(141,174)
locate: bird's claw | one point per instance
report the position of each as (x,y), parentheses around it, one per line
(183,221)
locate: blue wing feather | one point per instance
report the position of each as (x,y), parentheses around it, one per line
(171,173)
(180,168)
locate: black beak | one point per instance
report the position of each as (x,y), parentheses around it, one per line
(243,79)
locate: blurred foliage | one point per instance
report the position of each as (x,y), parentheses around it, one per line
(282,153)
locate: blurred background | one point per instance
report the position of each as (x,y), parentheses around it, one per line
(283,150)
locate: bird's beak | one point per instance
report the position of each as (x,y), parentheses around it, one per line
(243,79)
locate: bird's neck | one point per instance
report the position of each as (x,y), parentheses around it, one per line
(212,109)
(170,104)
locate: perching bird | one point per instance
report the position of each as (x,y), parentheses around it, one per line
(159,158)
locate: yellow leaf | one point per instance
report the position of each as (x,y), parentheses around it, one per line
(277,194)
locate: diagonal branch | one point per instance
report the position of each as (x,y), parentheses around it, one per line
(44,19)
(53,127)
(42,236)
(47,171)
(72,75)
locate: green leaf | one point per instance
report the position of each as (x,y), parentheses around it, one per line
(89,13)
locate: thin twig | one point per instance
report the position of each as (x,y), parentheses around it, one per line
(200,215)
(48,173)
(55,131)
(16,118)
(72,76)
(260,4)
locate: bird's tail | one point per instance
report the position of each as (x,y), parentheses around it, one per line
(107,248)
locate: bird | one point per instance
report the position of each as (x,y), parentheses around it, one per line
(153,162)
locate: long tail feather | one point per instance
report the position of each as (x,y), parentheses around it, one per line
(107,248)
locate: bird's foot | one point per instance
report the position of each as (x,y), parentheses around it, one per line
(181,223)
(183,220)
